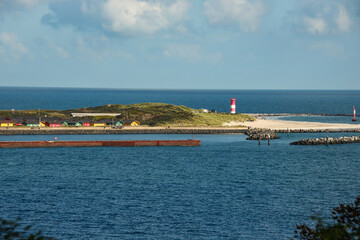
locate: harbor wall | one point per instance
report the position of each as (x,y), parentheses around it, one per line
(14,131)
(118,131)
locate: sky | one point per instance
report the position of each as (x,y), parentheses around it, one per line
(180,44)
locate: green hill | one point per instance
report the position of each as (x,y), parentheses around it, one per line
(152,114)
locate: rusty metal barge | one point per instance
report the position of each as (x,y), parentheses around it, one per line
(137,143)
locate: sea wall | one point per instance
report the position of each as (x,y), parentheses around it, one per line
(119,131)
(327,141)
(84,131)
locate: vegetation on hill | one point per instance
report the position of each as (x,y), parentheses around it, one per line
(152,114)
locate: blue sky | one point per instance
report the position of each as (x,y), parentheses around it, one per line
(181,44)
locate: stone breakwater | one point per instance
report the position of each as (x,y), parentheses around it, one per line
(315,130)
(118,131)
(327,141)
(260,134)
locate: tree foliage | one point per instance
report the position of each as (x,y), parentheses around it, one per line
(13,230)
(346,225)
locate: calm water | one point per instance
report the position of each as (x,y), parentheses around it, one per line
(248,101)
(227,188)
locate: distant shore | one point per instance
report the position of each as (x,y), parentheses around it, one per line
(234,128)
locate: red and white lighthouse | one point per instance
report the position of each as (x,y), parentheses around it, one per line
(354,119)
(233,106)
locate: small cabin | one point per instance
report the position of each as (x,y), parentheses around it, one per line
(119,124)
(31,123)
(72,123)
(19,121)
(99,124)
(50,122)
(135,124)
(132,123)
(55,125)
(6,123)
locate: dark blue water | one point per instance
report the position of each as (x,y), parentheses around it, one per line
(248,101)
(227,188)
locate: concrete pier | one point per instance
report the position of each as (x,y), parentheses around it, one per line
(53,144)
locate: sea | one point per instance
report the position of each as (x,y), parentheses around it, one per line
(229,188)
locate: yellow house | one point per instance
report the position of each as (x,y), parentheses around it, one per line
(99,124)
(132,123)
(135,124)
(6,123)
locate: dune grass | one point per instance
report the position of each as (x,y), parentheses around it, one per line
(151,114)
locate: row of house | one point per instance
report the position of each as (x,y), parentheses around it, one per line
(56,122)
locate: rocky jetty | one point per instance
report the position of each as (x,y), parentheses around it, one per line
(327,141)
(316,130)
(260,133)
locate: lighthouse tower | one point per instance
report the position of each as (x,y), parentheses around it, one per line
(354,119)
(233,106)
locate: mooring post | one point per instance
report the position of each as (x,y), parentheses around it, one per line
(268,136)
(259,141)
(327,140)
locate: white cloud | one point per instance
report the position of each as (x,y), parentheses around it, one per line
(343,20)
(322,17)
(314,25)
(123,17)
(11,48)
(145,17)
(245,13)
(191,53)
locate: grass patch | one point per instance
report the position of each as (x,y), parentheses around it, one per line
(151,114)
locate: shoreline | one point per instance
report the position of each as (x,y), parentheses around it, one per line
(135,130)
(277,126)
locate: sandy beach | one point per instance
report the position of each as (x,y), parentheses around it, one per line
(296,125)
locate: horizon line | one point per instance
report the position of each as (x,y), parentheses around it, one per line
(184,89)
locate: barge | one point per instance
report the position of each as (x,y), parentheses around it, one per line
(137,143)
